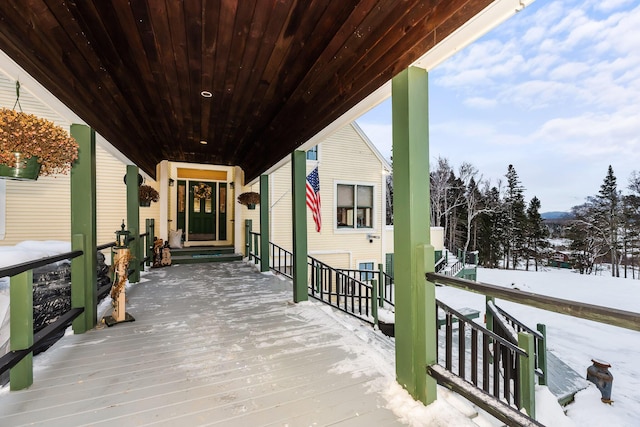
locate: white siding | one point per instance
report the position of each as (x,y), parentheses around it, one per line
(344,157)
(41,210)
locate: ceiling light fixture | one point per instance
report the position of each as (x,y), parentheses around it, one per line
(206,94)
(203,142)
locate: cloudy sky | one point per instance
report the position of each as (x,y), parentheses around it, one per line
(555,91)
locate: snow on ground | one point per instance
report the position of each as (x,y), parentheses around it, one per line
(577,341)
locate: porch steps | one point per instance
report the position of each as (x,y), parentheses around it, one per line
(202,254)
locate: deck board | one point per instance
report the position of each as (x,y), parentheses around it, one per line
(212,344)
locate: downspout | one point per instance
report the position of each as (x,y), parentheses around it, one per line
(383,215)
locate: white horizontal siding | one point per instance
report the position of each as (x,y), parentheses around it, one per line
(41,210)
(344,156)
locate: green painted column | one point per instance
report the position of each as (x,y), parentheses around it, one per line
(21,328)
(133,221)
(527,369)
(299,214)
(247,237)
(264,223)
(415,308)
(83,229)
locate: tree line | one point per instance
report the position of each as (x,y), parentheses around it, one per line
(508,232)
(494,220)
(606,228)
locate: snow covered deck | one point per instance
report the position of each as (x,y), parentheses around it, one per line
(212,344)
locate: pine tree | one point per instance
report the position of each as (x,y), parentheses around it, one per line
(514,240)
(608,216)
(536,233)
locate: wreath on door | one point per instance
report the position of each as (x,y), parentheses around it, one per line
(202,191)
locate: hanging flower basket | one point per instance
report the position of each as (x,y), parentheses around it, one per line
(25,170)
(147,194)
(24,137)
(250,199)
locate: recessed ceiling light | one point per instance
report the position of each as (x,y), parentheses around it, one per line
(206,94)
(203,142)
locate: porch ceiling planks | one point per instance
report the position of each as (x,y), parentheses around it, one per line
(279,70)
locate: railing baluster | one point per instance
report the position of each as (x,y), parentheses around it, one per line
(507,368)
(497,356)
(448,341)
(461,349)
(486,360)
(474,356)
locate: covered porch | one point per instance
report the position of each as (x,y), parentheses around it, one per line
(240,84)
(214,344)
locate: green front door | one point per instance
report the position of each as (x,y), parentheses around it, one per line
(202,210)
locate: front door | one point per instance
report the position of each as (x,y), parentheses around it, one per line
(202,210)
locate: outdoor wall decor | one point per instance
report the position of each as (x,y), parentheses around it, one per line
(121,259)
(147,194)
(249,199)
(202,191)
(31,146)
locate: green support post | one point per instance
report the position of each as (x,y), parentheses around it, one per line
(133,221)
(299,214)
(488,317)
(247,237)
(374,301)
(21,328)
(83,229)
(381,285)
(542,354)
(415,328)
(264,223)
(527,367)
(150,229)
(256,247)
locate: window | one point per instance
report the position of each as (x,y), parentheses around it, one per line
(366,266)
(354,200)
(312,153)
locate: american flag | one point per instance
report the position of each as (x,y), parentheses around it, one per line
(313,196)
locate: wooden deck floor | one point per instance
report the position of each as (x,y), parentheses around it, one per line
(212,344)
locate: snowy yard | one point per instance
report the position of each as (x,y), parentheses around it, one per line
(577,341)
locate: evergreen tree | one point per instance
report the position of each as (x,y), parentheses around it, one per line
(491,229)
(536,233)
(608,216)
(588,240)
(515,239)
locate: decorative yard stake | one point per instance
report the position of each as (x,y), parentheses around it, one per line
(121,259)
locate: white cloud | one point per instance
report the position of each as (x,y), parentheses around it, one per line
(555,90)
(480,103)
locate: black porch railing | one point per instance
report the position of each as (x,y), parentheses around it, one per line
(508,327)
(21,284)
(490,363)
(281,260)
(342,290)
(27,342)
(483,358)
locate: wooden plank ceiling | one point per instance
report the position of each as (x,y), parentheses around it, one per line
(279,70)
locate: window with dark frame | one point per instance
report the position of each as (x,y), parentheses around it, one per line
(354,206)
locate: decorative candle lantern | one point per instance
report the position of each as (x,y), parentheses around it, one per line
(121,258)
(122,237)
